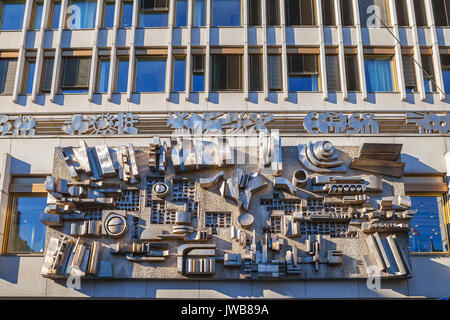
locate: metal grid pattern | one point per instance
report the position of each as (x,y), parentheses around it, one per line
(129,201)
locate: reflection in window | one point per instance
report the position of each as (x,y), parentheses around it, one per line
(198,73)
(12,13)
(7,75)
(428,229)
(226,72)
(56,11)
(378,74)
(75,74)
(37,16)
(199,13)
(179,71)
(181,18)
(445,61)
(29,76)
(428,73)
(26,232)
(226,13)
(103,76)
(150,74)
(372,11)
(81,14)
(154,13)
(127,14)
(109,15)
(122,75)
(303,72)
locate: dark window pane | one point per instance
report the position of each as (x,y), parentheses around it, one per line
(275,75)
(408,71)
(12,15)
(333,80)
(226,13)
(255,72)
(47,75)
(254,13)
(419,11)
(181,18)
(428,73)
(199,13)
(122,75)
(293,12)
(402,13)
(352,73)
(150,74)
(198,73)
(427,225)
(26,232)
(328,12)
(179,74)
(273,15)
(103,76)
(75,74)
(7,75)
(109,15)
(127,14)
(347,12)
(441,10)
(226,72)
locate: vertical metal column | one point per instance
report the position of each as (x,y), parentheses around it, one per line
(113,53)
(265,54)
(360,54)
(341,50)
(187,88)
(94,60)
(246,84)
(169,60)
(208,49)
(57,61)
(323,70)
(284,50)
(397,51)
(132,58)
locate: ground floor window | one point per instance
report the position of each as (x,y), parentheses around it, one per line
(428,226)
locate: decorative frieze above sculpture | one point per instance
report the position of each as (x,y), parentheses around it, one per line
(21,126)
(105,123)
(149,212)
(219,122)
(338,122)
(429,122)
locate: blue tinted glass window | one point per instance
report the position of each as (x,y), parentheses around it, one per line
(446,76)
(179,74)
(103,76)
(378,74)
(304,83)
(30,77)
(198,82)
(153,20)
(109,15)
(226,13)
(127,14)
(150,74)
(82,15)
(427,232)
(26,232)
(12,15)
(181,19)
(199,13)
(38,16)
(56,14)
(122,76)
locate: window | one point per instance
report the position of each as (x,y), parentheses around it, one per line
(428,73)
(108,17)
(352,73)
(419,11)
(254,13)
(255,72)
(150,74)
(81,14)
(347,12)
(328,12)
(47,75)
(303,72)
(226,13)
(181,14)
(402,13)
(275,74)
(199,13)
(7,75)
(371,11)
(127,14)
(179,74)
(198,73)
(122,74)
(378,73)
(55,15)
(428,228)
(37,16)
(154,13)
(445,62)
(25,232)
(12,13)
(29,76)
(441,9)
(300,12)
(332,65)
(273,12)
(226,72)
(103,75)
(75,74)
(409,74)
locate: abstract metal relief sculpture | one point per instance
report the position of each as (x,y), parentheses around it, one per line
(101,124)
(320,157)
(337,122)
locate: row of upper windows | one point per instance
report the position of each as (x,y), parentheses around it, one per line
(26,234)
(81,14)
(226,73)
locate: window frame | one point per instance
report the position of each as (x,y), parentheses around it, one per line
(149,57)
(394,76)
(101,59)
(33,16)
(103,18)
(446,217)
(62,88)
(305,74)
(153,11)
(241,72)
(25,76)
(51,15)
(2,11)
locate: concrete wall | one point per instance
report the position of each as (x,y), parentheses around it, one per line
(20,275)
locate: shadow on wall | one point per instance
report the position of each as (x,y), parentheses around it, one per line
(9,268)
(413,164)
(19,167)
